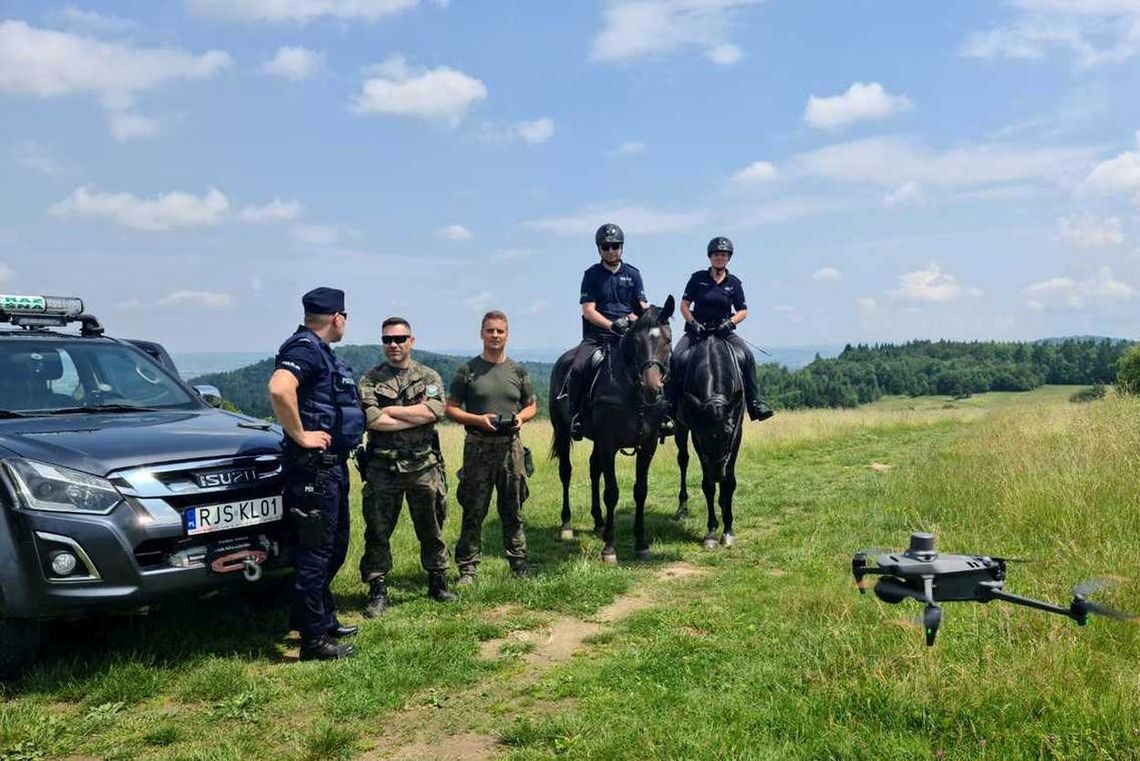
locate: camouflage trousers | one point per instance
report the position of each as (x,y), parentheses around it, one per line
(381,500)
(491,463)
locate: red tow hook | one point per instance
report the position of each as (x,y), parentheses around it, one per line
(247,561)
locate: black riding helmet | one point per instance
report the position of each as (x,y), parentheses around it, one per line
(609,233)
(720,245)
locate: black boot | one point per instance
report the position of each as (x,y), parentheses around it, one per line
(437,587)
(377,598)
(325,649)
(520,569)
(758,409)
(339,630)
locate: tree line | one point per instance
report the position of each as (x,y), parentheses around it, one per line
(244,389)
(864,373)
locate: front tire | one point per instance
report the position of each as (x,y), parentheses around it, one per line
(19,646)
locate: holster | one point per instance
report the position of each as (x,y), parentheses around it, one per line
(362,455)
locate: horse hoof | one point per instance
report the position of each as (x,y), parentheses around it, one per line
(643,555)
(711,543)
(609,558)
(728,540)
(567,534)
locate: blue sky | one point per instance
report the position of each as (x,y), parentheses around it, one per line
(887,170)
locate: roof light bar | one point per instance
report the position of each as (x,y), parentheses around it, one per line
(53,306)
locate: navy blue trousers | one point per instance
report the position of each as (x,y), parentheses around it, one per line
(314,608)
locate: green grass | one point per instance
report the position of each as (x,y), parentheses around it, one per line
(770,654)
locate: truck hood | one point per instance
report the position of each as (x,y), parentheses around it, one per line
(102,443)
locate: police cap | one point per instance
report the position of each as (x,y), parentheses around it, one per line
(323,301)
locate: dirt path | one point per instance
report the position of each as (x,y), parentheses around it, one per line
(449,730)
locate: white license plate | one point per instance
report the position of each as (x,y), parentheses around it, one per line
(246,512)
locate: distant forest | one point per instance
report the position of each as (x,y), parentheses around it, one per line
(244,388)
(860,374)
(865,373)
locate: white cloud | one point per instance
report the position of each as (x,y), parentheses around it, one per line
(35,157)
(932,284)
(867,304)
(1086,231)
(1060,293)
(441,94)
(892,162)
(907,194)
(724,54)
(274,211)
(79,20)
(166,212)
(303,11)
(1116,175)
(126,125)
(294,63)
(1091,32)
(536,131)
(46,64)
(317,235)
(789,208)
(826,273)
(533,131)
(629,148)
(209,299)
(633,29)
(637,220)
(757,171)
(479,302)
(861,102)
(456,233)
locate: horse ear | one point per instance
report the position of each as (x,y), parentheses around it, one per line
(667,310)
(636,306)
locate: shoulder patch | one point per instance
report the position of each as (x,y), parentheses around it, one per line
(432,391)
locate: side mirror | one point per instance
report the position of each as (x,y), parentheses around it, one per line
(210,395)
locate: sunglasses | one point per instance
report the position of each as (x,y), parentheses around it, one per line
(394,339)
(343,314)
(610,247)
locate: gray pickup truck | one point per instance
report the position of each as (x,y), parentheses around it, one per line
(120,486)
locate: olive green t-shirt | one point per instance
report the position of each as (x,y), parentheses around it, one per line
(484,387)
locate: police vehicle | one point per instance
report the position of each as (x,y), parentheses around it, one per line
(119,484)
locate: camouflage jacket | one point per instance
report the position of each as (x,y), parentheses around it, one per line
(386,386)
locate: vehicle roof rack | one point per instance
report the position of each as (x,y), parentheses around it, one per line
(38,312)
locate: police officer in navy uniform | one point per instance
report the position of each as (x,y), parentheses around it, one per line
(609,290)
(714,304)
(314,398)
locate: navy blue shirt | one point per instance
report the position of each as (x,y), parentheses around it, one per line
(710,302)
(612,294)
(303,359)
(326,395)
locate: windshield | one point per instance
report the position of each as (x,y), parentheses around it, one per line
(39,377)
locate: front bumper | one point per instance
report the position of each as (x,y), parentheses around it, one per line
(139,553)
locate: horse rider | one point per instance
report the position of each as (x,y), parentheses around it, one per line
(714,304)
(609,290)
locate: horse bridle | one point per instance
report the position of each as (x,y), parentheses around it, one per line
(638,383)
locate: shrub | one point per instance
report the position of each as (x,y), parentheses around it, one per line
(1090,394)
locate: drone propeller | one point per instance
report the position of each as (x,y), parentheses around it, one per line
(1083,606)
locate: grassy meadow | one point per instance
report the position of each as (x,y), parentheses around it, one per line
(759,651)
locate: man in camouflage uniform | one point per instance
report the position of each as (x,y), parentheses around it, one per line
(491,396)
(402,402)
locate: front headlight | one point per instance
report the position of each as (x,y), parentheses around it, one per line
(43,486)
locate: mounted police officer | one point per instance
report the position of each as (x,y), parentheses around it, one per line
(609,290)
(402,401)
(714,304)
(314,398)
(492,396)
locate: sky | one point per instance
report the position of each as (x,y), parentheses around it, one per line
(887,169)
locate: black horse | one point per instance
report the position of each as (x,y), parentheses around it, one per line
(711,407)
(626,406)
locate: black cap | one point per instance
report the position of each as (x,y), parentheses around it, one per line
(609,233)
(323,301)
(720,244)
